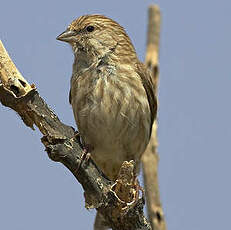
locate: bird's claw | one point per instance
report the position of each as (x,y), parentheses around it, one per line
(84,157)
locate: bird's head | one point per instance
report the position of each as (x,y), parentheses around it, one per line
(97,35)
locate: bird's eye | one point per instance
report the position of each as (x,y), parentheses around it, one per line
(90,28)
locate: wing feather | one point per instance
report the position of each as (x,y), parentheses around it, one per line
(148,84)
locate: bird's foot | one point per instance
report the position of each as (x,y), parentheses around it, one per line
(86,155)
(77,137)
(87,148)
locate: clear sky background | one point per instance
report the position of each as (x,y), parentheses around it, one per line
(194,115)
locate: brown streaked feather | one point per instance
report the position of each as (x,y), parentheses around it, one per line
(148,84)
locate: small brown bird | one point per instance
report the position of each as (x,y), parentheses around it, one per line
(112,93)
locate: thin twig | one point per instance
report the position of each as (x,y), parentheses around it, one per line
(150,157)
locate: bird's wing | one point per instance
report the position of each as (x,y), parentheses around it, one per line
(148,83)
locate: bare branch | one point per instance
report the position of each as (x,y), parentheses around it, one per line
(150,157)
(10,76)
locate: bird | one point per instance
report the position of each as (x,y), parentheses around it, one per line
(112,93)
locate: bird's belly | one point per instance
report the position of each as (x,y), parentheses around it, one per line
(114,137)
(113,120)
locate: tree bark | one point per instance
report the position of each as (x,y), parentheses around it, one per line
(150,157)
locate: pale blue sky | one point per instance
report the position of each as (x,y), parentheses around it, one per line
(194,115)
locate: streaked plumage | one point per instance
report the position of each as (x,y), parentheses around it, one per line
(112,93)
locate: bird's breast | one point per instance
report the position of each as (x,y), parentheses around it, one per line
(112,114)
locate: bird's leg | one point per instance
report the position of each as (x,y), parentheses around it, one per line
(86,153)
(76,137)
(87,149)
(83,158)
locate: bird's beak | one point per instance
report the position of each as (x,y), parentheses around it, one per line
(67,36)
